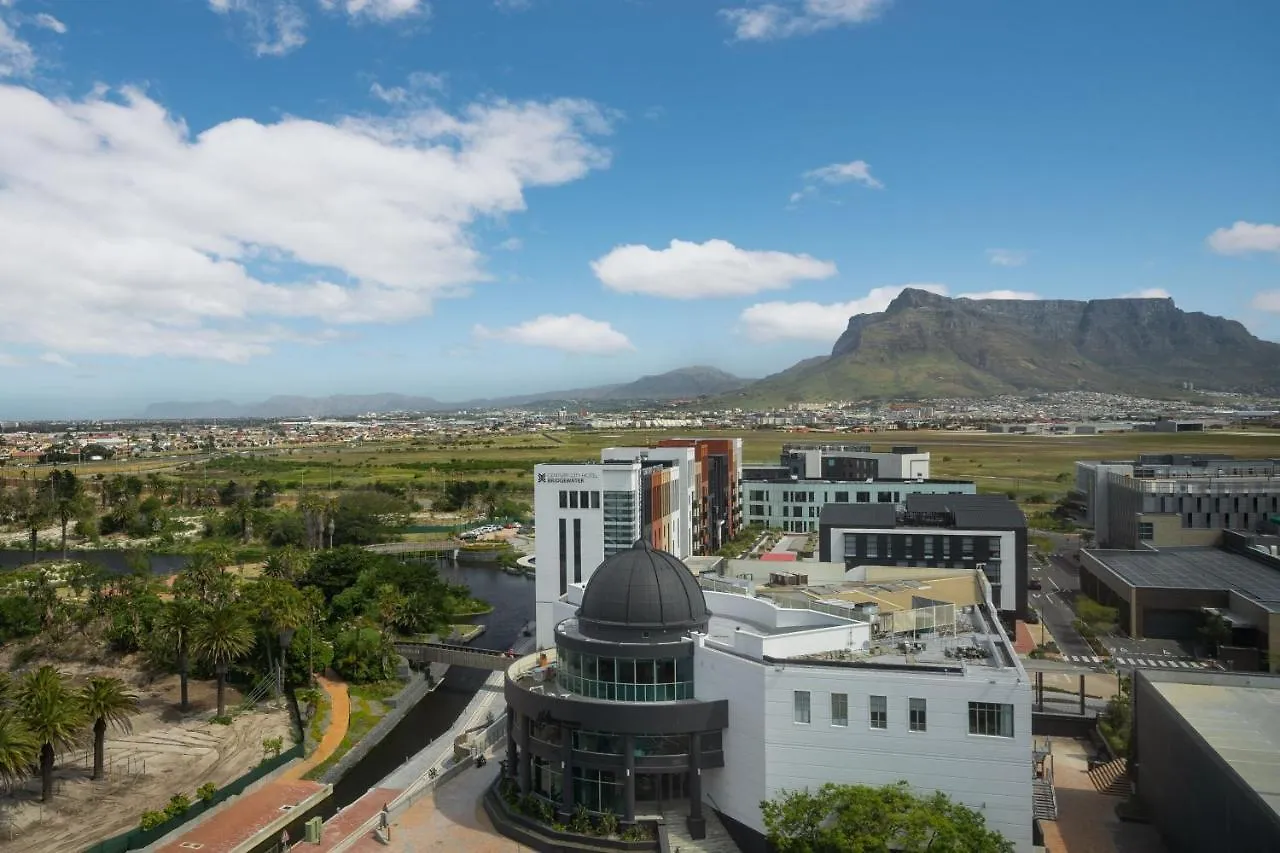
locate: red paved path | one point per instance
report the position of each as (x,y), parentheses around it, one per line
(245,817)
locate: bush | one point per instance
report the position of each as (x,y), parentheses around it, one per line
(271,747)
(224,720)
(207,791)
(639,832)
(607,825)
(581,820)
(152,819)
(178,804)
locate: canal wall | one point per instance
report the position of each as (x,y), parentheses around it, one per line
(401,704)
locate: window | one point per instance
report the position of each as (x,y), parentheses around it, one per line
(839,709)
(802,706)
(993,547)
(573,500)
(595,500)
(884,497)
(585,499)
(564,499)
(757,509)
(916,715)
(864,497)
(1146,531)
(879,712)
(842,497)
(990,719)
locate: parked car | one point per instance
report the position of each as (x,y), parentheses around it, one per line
(1035,583)
(1032,618)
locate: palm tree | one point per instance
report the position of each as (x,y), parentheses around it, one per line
(55,716)
(287,564)
(223,635)
(18,748)
(106,700)
(177,623)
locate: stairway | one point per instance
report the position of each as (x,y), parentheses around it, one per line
(717,840)
(1112,778)
(1044,802)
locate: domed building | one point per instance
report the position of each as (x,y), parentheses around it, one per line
(901,673)
(612,721)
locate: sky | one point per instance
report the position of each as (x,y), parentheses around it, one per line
(230,199)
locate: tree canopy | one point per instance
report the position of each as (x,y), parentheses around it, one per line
(865,819)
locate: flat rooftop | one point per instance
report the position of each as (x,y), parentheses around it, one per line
(1238,717)
(1196,568)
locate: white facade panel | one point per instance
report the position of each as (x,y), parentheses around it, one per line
(737,788)
(560,556)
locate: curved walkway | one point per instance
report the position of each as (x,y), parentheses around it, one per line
(339,719)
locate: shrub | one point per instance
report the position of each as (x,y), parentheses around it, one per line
(178,804)
(581,820)
(152,819)
(207,791)
(639,832)
(271,747)
(223,720)
(607,824)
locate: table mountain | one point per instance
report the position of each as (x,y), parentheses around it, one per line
(925,345)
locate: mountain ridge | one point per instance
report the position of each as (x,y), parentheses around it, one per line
(926,345)
(683,382)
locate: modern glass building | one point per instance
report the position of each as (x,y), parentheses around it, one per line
(609,720)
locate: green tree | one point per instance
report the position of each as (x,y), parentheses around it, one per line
(288,564)
(1095,615)
(206,577)
(337,569)
(106,701)
(1215,632)
(865,819)
(277,606)
(367,517)
(361,655)
(223,636)
(69,500)
(177,624)
(18,747)
(53,713)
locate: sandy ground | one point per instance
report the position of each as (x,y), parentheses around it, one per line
(52,537)
(165,753)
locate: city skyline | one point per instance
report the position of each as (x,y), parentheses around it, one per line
(483,199)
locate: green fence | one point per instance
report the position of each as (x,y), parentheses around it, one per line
(135,839)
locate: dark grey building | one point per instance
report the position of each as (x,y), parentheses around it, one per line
(613,718)
(935,531)
(1205,759)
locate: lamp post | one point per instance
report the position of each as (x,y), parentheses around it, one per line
(286,639)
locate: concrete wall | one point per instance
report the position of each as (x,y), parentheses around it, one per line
(549,481)
(739,786)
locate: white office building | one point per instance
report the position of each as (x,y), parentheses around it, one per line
(663,693)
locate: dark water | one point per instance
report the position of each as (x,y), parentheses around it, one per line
(512,600)
(116,562)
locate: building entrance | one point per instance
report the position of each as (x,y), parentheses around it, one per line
(660,789)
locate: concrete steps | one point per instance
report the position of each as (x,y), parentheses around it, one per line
(717,840)
(1112,778)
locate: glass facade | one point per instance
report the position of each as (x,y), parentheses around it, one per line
(598,790)
(624,679)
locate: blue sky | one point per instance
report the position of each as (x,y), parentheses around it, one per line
(205,199)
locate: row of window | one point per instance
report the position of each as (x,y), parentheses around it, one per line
(918,545)
(991,719)
(574,499)
(624,679)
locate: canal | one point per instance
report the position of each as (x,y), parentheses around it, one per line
(512,600)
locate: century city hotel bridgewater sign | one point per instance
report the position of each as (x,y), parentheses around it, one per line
(568,479)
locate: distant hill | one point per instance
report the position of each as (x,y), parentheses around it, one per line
(683,383)
(925,345)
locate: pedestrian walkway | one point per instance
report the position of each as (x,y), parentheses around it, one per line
(1167,663)
(1094,659)
(339,719)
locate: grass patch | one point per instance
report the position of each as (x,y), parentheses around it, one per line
(365,714)
(376,691)
(315,729)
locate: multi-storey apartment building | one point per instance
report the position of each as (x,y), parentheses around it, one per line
(719,502)
(795,505)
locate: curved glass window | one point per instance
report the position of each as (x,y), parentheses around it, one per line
(598,790)
(624,679)
(547,782)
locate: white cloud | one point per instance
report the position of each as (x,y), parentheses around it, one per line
(380,10)
(56,359)
(813,321)
(999,294)
(275,27)
(686,270)
(1006,257)
(513,5)
(49,22)
(7,360)
(570,333)
(419,87)
(126,233)
(1147,293)
(855,171)
(17,59)
(799,17)
(1268,300)
(511,244)
(1243,237)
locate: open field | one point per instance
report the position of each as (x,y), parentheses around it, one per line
(1024,464)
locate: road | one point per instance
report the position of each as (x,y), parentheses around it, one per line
(1059,583)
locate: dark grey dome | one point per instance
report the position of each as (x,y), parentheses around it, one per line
(642,591)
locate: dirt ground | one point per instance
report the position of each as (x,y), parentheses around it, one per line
(165,753)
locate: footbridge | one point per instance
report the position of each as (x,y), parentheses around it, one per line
(420,654)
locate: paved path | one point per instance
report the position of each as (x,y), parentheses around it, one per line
(1087,822)
(339,719)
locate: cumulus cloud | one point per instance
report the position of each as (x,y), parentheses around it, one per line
(1244,237)
(999,294)
(716,268)
(126,233)
(17,59)
(1268,300)
(1006,257)
(418,87)
(48,22)
(815,321)
(571,333)
(768,21)
(380,10)
(855,171)
(1147,293)
(274,27)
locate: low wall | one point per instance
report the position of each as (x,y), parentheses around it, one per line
(544,839)
(1049,724)
(399,705)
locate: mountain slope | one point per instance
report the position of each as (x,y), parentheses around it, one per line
(925,345)
(682,383)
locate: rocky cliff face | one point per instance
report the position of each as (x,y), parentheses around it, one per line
(929,345)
